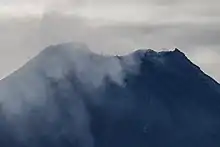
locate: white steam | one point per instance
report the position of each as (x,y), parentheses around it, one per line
(28,89)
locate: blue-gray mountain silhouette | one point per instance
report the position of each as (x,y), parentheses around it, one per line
(161,99)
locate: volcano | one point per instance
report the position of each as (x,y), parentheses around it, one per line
(68,96)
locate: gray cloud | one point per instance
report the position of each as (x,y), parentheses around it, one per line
(113,27)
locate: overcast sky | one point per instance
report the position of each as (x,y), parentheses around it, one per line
(111,27)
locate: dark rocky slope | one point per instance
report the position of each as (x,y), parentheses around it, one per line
(75,98)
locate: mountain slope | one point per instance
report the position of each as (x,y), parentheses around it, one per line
(68,96)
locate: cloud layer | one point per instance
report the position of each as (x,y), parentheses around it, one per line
(111,27)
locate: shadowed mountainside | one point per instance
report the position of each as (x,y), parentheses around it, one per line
(68,96)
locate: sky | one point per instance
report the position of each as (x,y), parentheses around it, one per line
(111,27)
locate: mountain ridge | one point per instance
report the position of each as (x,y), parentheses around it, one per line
(80,99)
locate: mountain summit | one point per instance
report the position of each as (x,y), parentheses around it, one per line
(68,96)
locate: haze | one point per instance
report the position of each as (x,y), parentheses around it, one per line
(110,27)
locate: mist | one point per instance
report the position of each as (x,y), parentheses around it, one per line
(32,34)
(49,86)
